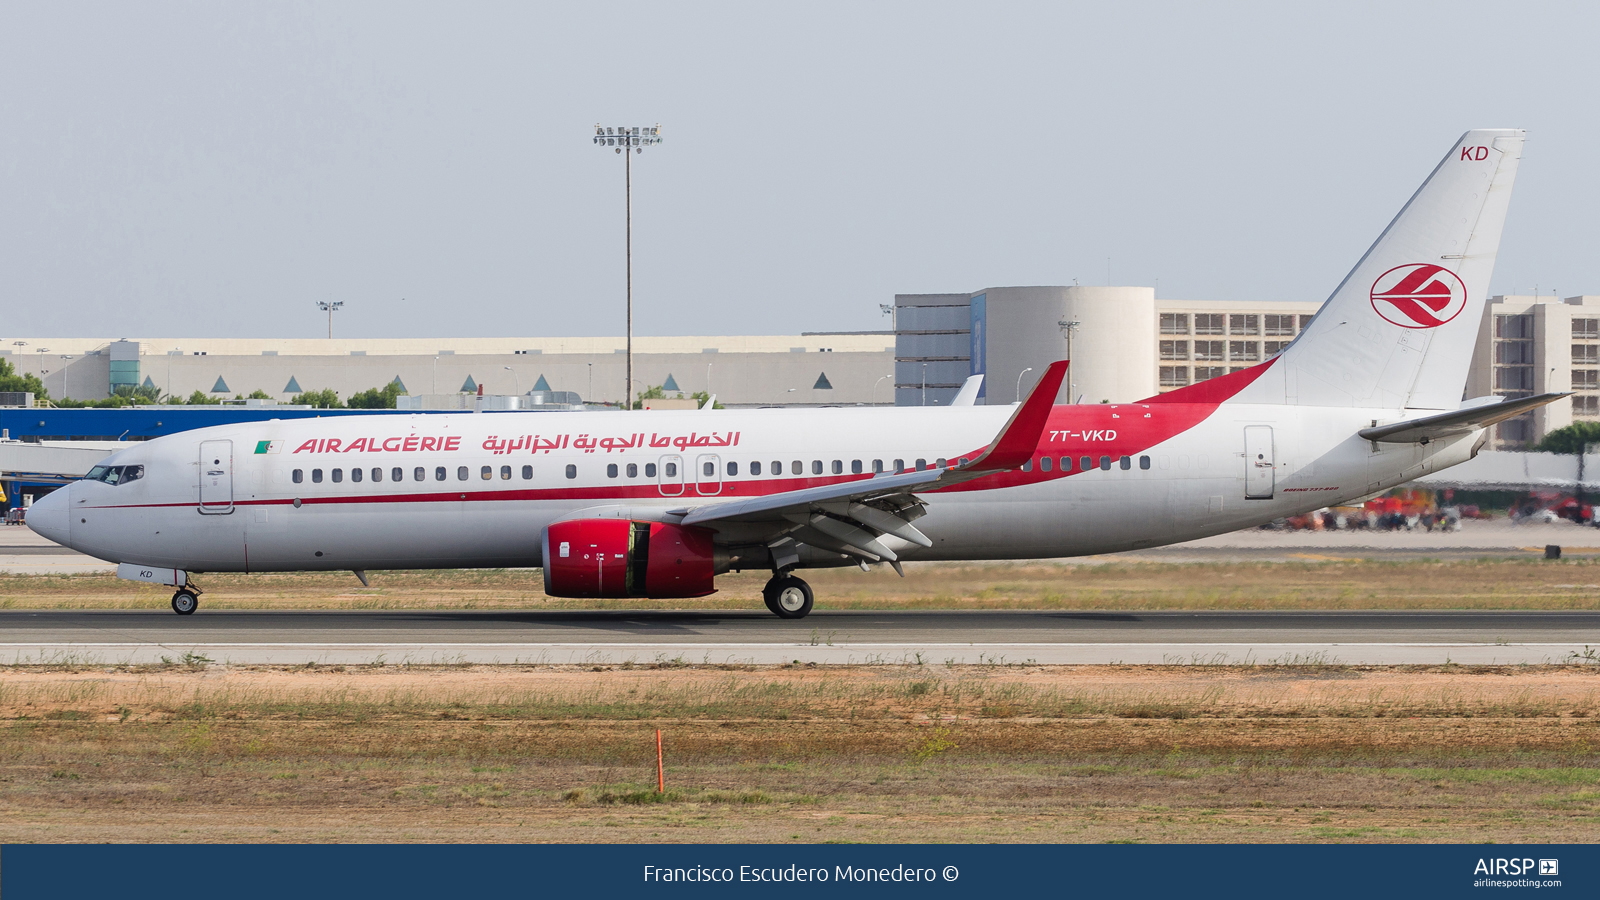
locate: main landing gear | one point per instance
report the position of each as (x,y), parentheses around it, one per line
(186,601)
(788,597)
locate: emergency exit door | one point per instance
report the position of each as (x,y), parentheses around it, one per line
(1259,467)
(216,477)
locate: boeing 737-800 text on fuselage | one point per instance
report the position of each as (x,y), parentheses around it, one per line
(656,505)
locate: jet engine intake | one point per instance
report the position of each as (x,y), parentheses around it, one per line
(620,558)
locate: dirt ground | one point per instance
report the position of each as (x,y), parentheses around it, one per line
(1571,583)
(919,754)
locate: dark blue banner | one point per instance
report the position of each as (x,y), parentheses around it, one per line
(434,871)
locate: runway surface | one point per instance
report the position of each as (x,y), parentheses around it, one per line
(932,637)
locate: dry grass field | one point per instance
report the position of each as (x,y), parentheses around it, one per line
(1572,583)
(1084,754)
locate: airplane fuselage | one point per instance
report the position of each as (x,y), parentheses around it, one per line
(438,491)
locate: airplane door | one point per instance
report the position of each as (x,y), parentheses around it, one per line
(216,477)
(708,474)
(670,476)
(1258,463)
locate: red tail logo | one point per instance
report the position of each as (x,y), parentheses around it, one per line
(1419,295)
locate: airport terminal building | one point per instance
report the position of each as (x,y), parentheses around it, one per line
(1124,342)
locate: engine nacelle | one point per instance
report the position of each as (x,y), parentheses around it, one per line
(619,558)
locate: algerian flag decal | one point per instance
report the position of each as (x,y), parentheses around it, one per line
(268,446)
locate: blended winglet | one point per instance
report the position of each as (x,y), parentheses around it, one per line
(1015,443)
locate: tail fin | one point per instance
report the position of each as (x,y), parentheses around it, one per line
(1400,329)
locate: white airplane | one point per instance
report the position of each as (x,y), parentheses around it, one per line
(656,505)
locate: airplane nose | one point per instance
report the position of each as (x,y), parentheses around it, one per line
(51,517)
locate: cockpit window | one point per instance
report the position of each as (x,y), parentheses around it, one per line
(115,474)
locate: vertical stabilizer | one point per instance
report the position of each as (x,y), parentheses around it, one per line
(1400,330)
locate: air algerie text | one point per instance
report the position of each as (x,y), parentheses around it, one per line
(380,445)
(531,443)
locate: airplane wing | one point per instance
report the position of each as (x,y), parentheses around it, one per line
(1423,429)
(851,516)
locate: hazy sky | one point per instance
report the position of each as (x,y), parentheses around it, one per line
(215,168)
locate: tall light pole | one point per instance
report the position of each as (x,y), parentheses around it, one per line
(514,379)
(621,140)
(875,388)
(1068,328)
(330,309)
(1019,382)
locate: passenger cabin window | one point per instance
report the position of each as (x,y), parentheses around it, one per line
(1044,463)
(1144,462)
(1085,464)
(505,473)
(1027,466)
(633,470)
(921,464)
(1125,463)
(439,473)
(355,475)
(572,471)
(611,470)
(1066,464)
(708,469)
(1105,463)
(297,476)
(816,467)
(877,466)
(777,467)
(797,467)
(527,473)
(838,467)
(377,474)
(855,467)
(940,463)
(755,468)
(733,469)
(486,473)
(419,474)
(649,470)
(899,466)
(338,475)
(316,476)
(461,473)
(399,474)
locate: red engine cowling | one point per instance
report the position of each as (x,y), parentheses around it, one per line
(619,558)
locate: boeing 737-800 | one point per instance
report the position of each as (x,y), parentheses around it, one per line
(656,505)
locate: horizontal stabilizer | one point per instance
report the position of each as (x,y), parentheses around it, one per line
(1454,424)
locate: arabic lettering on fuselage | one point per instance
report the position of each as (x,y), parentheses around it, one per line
(529,443)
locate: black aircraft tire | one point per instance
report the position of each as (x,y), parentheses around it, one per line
(788,597)
(185,603)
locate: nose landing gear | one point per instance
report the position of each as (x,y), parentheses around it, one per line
(788,597)
(186,601)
